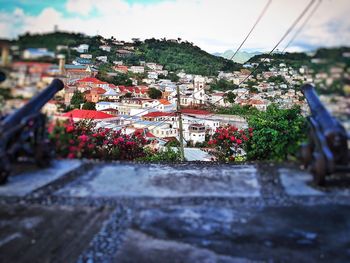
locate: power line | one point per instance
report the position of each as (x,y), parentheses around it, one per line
(296,21)
(251,30)
(303,25)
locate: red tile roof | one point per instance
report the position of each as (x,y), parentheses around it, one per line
(87,114)
(92,80)
(147,134)
(164,102)
(98,90)
(195,112)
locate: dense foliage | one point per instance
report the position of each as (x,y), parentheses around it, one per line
(154,93)
(84,140)
(277,133)
(223,85)
(184,56)
(77,99)
(89,106)
(277,79)
(119,79)
(163,155)
(230,97)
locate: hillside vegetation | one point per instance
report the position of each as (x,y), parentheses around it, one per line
(184,55)
(175,56)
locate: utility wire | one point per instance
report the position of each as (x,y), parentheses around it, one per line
(296,21)
(303,25)
(251,30)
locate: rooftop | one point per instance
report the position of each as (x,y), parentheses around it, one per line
(87,114)
(130,212)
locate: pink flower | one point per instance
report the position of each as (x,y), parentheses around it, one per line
(69,128)
(72,148)
(83,138)
(71,156)
(232,138)
(130,143)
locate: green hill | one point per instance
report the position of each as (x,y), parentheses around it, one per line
(51,40)
(175,56)
(184,55)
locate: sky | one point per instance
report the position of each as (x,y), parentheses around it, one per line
(213,25)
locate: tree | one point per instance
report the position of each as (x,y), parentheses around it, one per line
(253,90)
(77,99)
(128,95)
(277,79)
(121,79)
(277,133)
(230,97)
(89,106)
(173,77)
(223,85)
(154,93)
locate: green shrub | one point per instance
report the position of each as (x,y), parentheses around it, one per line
(278,133)
(164,155)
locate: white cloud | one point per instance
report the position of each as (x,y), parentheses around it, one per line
(212,25)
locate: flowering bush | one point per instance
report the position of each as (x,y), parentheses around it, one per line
(229,142)
(84,140)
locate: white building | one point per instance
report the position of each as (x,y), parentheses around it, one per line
(152,75)
(34,53)
(105,48)
(137,69)
(159,129)
(102,58)
(82,48)
(196,133)
(102,105)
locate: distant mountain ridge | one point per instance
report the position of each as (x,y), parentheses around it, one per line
(240,57)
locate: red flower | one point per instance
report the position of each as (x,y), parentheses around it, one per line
(72,148)
(83,138)
(239,141)
(232,138)
(250,130)
(71,156)
(69,128)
